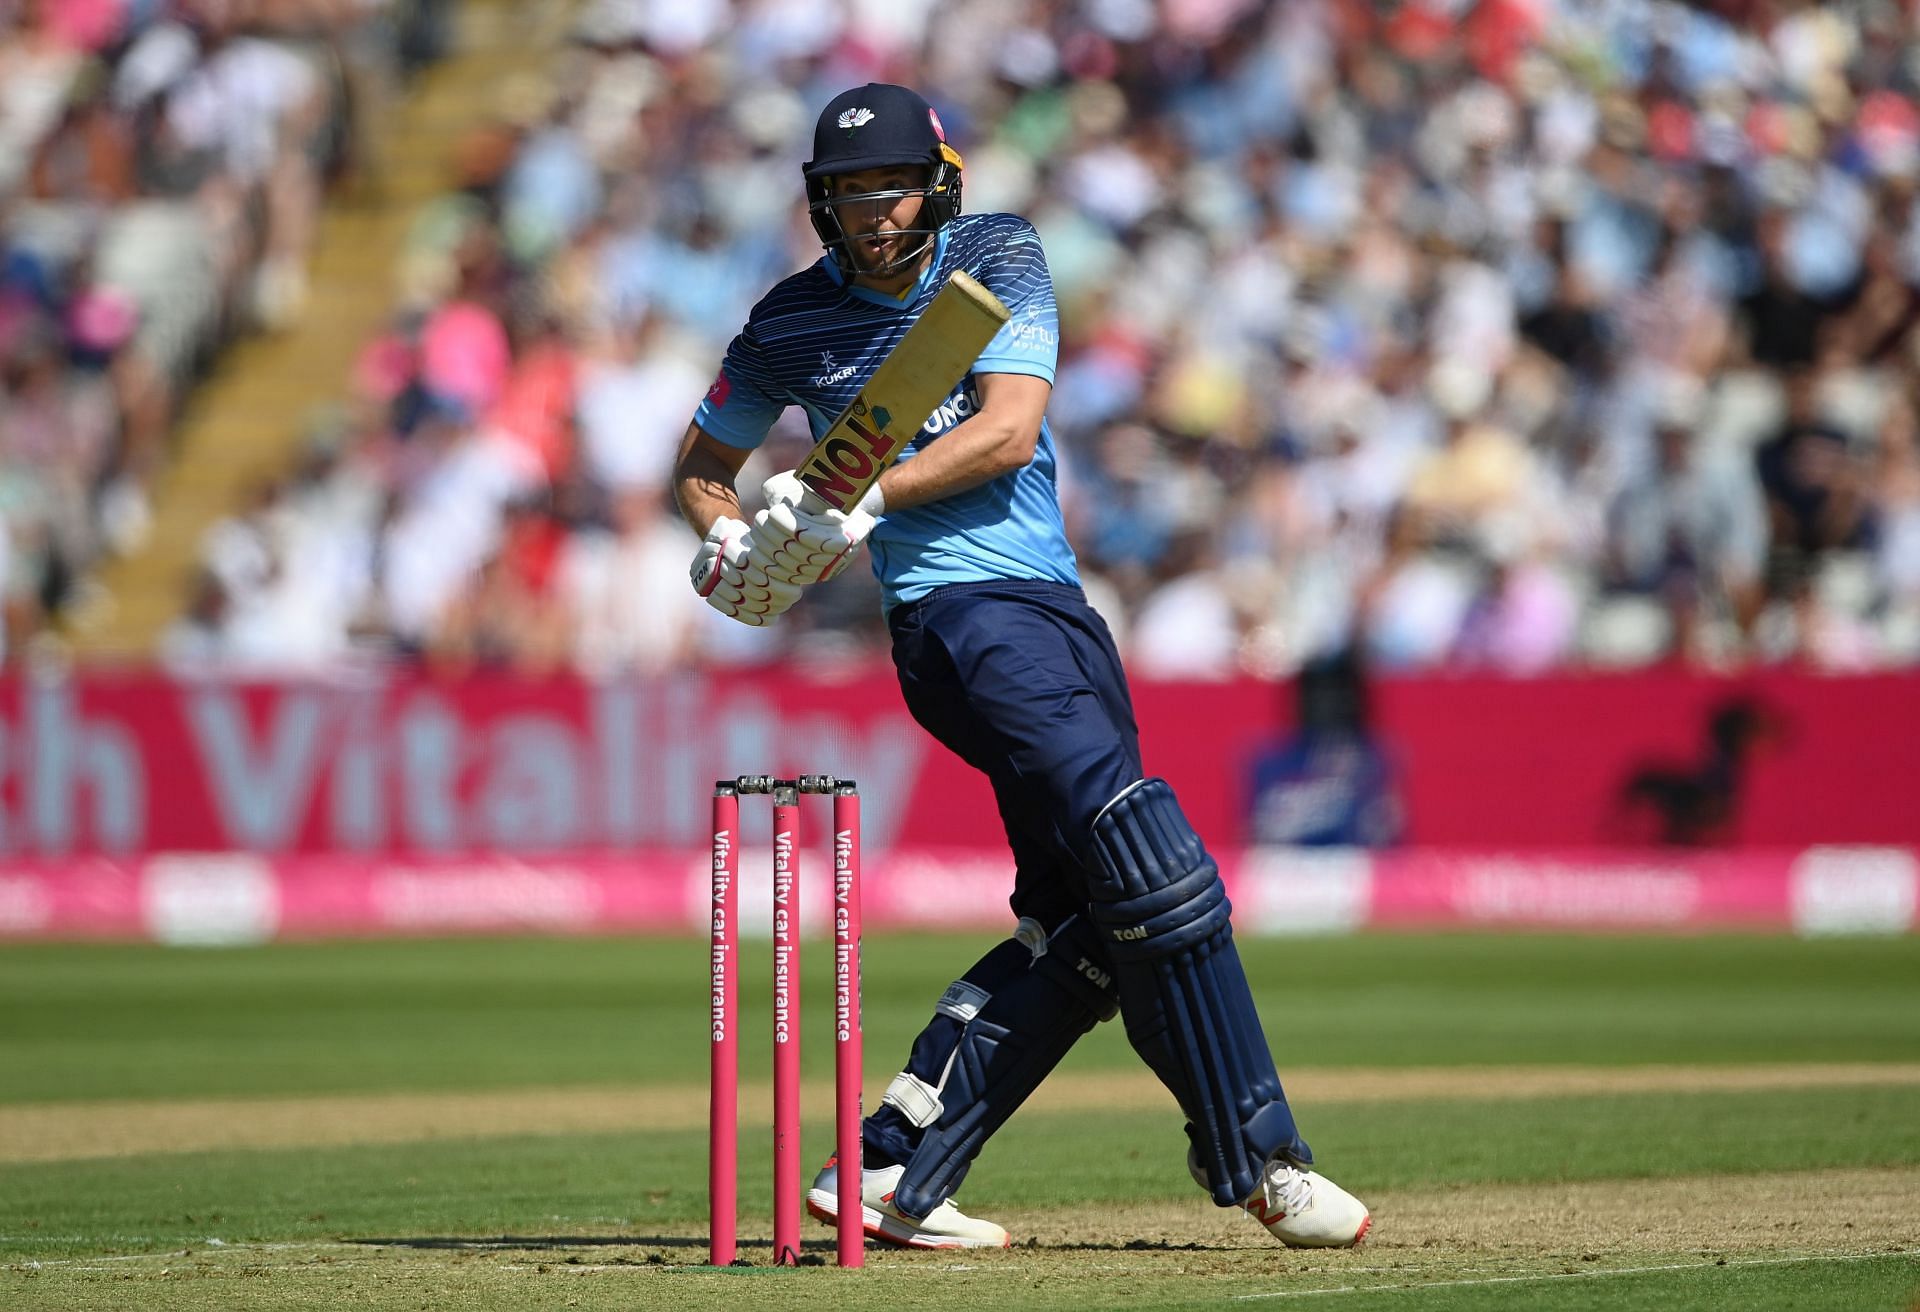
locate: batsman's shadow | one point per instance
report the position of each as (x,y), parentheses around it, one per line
(529,1242)
(1127,1246)
(824,1247)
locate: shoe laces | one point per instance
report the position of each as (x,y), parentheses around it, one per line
(1286,1188)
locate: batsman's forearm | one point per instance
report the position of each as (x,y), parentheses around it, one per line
(975,452)
(703,489)
(703,502)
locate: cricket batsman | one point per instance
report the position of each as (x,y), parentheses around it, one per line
(1120,909)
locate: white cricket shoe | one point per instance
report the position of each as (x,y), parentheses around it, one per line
(1302,1209)
(945,1227)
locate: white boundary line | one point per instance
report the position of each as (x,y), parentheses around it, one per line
(1580,1275)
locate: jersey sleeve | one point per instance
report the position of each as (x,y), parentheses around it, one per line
(1029,342)
(744,400)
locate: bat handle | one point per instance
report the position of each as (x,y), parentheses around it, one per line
(813,503)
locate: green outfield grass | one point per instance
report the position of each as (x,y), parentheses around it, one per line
(313,1018)
(616,1218)
(655,1184)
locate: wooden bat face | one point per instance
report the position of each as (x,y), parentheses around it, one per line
(914,378)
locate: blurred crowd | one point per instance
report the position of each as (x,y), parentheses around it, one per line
(1513,335)
(162,164)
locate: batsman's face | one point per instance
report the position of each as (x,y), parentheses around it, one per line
(877,229)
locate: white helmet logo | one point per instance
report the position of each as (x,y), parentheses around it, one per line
(855,118)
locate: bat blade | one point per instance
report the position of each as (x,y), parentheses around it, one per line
(915,377)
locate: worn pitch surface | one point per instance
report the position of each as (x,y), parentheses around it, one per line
(1671,1123)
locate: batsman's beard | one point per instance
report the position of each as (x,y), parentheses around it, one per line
(869,264)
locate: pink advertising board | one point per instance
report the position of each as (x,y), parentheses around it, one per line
(391,764)
(228,898)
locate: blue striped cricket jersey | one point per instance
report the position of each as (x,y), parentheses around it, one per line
(815,339)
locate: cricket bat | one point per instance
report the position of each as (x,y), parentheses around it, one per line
(915,377)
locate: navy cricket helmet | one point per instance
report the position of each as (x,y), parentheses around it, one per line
(872,127)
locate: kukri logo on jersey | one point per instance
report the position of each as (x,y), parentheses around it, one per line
(831,373)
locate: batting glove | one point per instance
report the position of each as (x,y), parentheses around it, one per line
(731,576)
(805,542)
(786,489)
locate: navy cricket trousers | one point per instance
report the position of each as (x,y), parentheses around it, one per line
(1020,679)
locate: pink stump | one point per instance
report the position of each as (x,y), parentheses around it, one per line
(846,1021)
(723,1113)
(786,1027)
